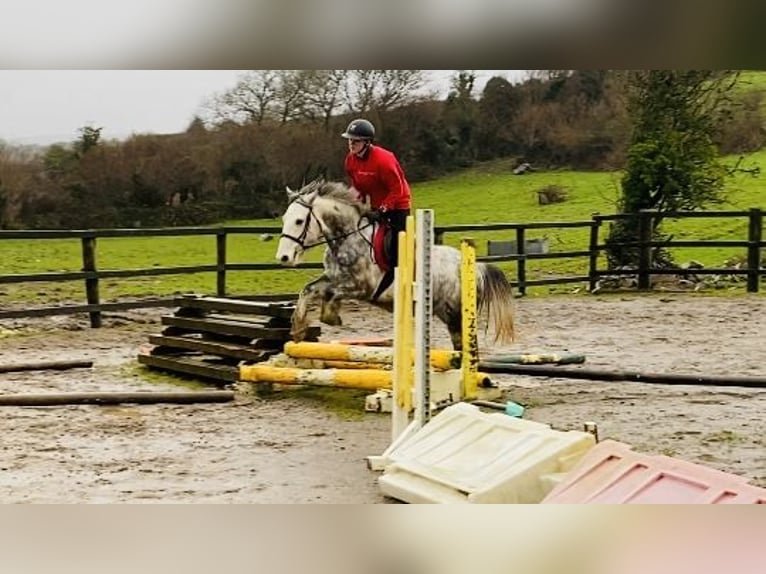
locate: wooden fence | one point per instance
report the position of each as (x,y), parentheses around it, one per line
(753,245)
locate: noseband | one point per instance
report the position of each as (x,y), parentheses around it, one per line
(300,239)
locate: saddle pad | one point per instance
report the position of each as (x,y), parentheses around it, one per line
(381,246)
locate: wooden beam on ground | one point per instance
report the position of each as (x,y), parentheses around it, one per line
(225,373)
(46,365)
(535,358)
(167,345)
(237,306)
(114,398)
(236,328)
(652,378)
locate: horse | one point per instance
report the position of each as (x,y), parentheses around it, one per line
(329,213)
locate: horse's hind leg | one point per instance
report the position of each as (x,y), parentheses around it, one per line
(454,323)
(314,290)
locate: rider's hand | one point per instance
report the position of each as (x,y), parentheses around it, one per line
(376,215)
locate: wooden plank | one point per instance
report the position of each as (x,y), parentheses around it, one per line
(250,320)
(75,309)
(205,325)
(115,398)
(46,365)
(225,373)
(191,313)
(631,376)
(217,337)
(233,328)
(222,349)
(237,306)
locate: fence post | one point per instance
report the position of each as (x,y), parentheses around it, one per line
(91,284)
(521,263)
(754,238)
(593,248)
(644,248)
(220,248)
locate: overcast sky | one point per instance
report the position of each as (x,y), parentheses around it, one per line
(47,106)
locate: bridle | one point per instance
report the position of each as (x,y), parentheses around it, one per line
(331,241)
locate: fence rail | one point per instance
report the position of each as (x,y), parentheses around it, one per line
(753,244)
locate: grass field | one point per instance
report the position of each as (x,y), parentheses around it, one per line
(489,193)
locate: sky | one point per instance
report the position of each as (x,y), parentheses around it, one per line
(48,106)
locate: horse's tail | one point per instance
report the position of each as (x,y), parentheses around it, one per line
(494,293)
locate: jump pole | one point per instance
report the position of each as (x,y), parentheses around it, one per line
(637,377)
(116,398)
(470,354)
(402,383)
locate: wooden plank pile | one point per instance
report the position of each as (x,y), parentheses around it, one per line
(208,337)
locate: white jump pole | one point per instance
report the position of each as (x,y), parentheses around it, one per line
(424,235)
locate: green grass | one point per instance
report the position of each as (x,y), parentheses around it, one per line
(750,80)
(489,193)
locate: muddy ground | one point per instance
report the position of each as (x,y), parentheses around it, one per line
(301,447)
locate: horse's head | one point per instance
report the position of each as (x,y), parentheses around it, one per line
(300,226)
(319,213)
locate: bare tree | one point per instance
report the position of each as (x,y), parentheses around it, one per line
(324,93)
(291,92)
(382,90)
(249,101)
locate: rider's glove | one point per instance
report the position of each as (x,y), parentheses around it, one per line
(376,215)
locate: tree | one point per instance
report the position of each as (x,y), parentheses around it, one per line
(381,90)
(460,113)
(89,138)
(673,162)
(249,101)
(324,92)
(498,116)
(462,84)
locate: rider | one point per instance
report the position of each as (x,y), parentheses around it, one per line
(375,173)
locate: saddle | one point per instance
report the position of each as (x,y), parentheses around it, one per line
(382,243)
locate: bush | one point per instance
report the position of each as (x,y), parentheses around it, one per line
(551,194)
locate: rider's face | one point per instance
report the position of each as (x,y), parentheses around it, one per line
(355,145)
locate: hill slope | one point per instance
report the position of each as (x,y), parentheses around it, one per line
(486,194)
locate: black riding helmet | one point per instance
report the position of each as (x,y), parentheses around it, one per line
(359,129)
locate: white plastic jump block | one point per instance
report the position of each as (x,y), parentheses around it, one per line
(464,455)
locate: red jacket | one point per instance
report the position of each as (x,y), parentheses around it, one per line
(379,177)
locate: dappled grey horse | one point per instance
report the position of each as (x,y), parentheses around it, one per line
(329,214)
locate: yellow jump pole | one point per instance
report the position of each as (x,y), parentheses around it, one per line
(470,362)
(442,359)
(403,382)
(367,379)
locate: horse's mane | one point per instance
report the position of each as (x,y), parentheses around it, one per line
(338,191)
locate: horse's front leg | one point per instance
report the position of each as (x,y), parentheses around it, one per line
(316,289)
(343,288)
(330,311)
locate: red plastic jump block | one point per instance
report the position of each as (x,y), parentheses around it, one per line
(611,473)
